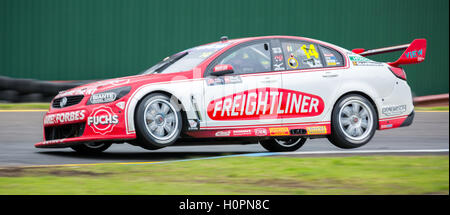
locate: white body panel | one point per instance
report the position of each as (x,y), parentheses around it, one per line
(376,82)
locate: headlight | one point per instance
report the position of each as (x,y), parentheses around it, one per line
(109,95)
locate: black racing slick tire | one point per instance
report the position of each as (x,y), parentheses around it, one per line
(283,144)
(354,121)
(91,148)
(158,121)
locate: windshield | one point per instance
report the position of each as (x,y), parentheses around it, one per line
(185,60)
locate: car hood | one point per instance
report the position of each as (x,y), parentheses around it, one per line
(136,80)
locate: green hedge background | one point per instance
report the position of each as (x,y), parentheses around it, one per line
(97,39)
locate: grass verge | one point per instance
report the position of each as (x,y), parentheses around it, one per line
(24,106)
(242,175)
(442,108)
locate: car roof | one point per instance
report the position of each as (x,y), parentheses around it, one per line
(246,39)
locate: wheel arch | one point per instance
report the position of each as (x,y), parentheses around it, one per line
(137,98)
(365,95)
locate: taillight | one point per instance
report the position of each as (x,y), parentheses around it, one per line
(399,72)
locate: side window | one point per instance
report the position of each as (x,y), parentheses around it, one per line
(332,57)
(301,55)
(249,59)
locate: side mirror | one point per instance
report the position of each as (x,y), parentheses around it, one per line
(222,69)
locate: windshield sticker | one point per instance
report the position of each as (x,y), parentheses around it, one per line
(276,50)
(362,61)
(292,62)
(212,46)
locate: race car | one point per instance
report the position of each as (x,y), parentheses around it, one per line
(274,90)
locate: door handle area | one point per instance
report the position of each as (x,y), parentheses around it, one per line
(330,75)
(269,80)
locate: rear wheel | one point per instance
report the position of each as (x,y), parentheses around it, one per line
(158,121)
(91,147)
(353,122)
(283,144)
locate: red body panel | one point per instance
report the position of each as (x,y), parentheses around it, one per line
(415,53)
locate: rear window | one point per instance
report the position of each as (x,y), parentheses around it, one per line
(332,57)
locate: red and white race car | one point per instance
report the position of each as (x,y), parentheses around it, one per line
(275,90)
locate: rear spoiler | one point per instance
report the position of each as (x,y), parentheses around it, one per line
(414,52)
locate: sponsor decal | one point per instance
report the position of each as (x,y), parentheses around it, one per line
(232,79)
(83,91)
(393,110)
(278,58)
(220,68)
(260,132)
(118,82)
(278,67)
(359,58)
(246,132)
(362,61)
(221,80)
(386,126)
(223,133)
(71,116)
(121,105)
(212,46)
(102,120)
(292,62)
(279,131)
(53,141)
(265,103)
(276,50)
(414,54)
(103,97)
(317,130)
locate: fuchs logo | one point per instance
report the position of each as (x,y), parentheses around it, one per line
(265,103)
(102,120)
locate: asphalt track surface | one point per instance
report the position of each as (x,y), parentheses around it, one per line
(19,131)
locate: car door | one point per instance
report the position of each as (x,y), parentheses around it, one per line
(312,74)
(244,98)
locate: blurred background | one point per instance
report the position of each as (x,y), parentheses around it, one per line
(72,40)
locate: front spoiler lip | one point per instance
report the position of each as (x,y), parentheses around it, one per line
(67,142)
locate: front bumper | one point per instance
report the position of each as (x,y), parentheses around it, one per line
(67,142)
(82,123)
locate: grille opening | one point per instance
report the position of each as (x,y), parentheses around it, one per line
(64,131)
(71,100)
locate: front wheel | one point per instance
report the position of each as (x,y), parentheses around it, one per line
(91,148)
(353,122)
(158,121)
(283,144)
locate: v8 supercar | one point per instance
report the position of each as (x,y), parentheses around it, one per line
(275,90)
